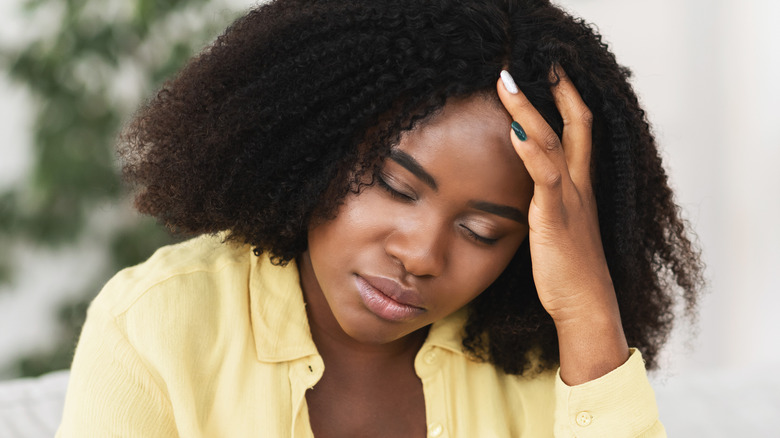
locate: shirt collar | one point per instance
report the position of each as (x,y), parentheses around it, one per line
(448,332)
(279,321)
(281,327)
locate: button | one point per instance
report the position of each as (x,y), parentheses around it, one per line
(430,357)
(435,430)
(584,418)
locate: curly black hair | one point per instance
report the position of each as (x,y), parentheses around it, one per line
(268,129)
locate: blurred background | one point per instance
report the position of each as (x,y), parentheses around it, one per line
(72,71)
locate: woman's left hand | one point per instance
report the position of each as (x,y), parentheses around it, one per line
(569,267)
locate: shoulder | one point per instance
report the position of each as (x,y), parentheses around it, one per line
(164,331)
(187,304)
(194,269)
(192,292)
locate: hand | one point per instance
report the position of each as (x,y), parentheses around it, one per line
(569,267)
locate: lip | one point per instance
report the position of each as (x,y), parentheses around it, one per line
(388,300)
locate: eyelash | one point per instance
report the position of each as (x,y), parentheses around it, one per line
(393,192)
(479,238)
(406,198)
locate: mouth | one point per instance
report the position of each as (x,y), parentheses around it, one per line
(389,300)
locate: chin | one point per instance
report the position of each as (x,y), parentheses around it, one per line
(373,330)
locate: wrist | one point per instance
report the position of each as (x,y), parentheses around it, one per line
(590,346)
(593,302)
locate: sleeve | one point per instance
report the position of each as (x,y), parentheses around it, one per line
(616,405)
(110,392)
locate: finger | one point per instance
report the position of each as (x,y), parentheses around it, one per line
(545,173)
(577,127)
(536,128)
(538,161)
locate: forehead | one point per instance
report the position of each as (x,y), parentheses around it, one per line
(467,144)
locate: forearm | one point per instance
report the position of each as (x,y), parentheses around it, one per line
(591,340)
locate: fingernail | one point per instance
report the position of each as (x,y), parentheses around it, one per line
(509,83)
(519,131)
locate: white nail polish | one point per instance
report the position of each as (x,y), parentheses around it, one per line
(509,83)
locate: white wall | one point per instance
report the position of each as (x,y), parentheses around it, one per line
(706,71)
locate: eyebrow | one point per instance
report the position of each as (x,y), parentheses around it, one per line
(504,211)
(409,163)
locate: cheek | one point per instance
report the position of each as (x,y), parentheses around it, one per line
(360,218)
(476,270)
(356,223)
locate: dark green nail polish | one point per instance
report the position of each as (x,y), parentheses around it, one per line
(519,131)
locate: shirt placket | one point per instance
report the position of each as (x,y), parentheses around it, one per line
(428,365)
(304,374)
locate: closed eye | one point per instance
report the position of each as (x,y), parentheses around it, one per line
(481,239)
(397,194)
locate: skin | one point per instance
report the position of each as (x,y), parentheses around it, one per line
(439,240)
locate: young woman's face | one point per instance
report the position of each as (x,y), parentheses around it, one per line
(436,230)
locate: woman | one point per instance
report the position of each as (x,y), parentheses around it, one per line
(394,240)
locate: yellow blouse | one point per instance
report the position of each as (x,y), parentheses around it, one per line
(207,340)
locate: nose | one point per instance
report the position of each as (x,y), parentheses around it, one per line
(420,247)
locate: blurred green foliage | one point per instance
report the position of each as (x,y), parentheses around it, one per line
(86,72)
